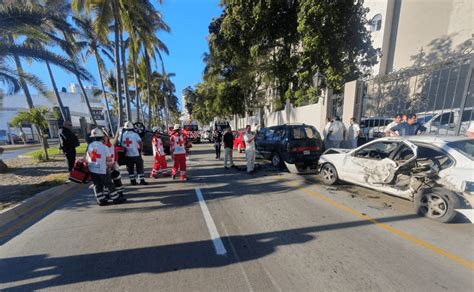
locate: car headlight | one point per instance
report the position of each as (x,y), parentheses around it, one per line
(468,186)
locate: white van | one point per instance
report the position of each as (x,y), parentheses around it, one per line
(443,122)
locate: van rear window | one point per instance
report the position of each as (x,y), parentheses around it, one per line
(300,133)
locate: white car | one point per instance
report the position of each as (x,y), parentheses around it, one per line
(443,122)
(436,173)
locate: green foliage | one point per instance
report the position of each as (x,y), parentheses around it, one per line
(256,45)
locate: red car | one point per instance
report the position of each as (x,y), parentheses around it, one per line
(239,143)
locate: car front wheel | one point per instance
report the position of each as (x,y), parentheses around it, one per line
(438,204)
(329,174)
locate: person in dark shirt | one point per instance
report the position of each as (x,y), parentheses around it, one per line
(228,147)
(68,143)
(217,143)
(408,128)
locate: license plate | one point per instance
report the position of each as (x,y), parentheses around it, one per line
(306,152)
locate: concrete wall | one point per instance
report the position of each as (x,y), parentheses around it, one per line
(314,114)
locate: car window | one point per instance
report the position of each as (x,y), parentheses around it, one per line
(269,134)
(298,133)
(261,134)
(311,133)
(466,147)
(467,115)
(277,134)
(403,154)
(437,156)
(378,150)
(445,118)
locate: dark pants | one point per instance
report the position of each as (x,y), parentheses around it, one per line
(70,159)
(132,162)
(217,146)
(117,179)
(101,181)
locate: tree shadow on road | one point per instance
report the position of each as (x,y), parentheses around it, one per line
(66,270)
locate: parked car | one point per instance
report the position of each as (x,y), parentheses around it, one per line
(239,143)
(436,173)
(298,146)
(372,128)
(205,134)
(443,122)
(148,148)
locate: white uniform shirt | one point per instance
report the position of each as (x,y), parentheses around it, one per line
(353,129)
(249,145)
(158,149)
(179,144)
(337,131)
(326,130)
(130,141)
(96,157)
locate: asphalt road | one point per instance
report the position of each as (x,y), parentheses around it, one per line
(227,230)
(13,153)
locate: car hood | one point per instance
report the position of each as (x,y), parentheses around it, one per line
(336,151)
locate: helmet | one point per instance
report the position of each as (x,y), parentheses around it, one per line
(96,133)
(128,125)
(176,127)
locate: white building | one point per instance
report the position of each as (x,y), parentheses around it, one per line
(74,101)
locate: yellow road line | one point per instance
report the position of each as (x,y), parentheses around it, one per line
(457,259)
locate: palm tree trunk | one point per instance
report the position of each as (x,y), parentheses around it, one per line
(125,77)
(136,91)
(148,89)
(97,58)
(86,99)
(56,92)
(117,64)
(23,84)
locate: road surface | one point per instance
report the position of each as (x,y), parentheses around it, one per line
(225,230)
(13,153)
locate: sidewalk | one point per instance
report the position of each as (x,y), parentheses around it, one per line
(19,146)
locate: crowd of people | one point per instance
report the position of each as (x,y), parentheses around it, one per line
(335,133)
(102,158)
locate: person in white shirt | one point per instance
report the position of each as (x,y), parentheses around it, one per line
(99,161)
(325,133)
(354,131)
(397,119)
(132,143)
(336,133)
(249,140)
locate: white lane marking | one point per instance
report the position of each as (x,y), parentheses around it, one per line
(216,239)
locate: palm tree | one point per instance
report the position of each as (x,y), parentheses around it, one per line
(87,34)
(106,13)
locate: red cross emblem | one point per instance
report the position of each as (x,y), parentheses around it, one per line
(128,142)
(94,155)
(180,143)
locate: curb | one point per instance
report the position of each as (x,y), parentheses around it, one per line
(38,201)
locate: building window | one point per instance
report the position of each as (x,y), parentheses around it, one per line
(376,23)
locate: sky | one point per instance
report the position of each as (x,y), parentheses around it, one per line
(188,20)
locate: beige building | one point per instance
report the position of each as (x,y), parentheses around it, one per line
(401,28)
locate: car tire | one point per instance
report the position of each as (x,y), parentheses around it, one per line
(329,174)
(437,204)
(276,160)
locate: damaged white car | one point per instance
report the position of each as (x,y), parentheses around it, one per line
(436,173)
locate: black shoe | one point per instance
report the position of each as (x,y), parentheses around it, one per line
(143,182)
(133,182)
(173,176)
(120,200)
(103,203)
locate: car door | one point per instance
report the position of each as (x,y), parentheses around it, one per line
(370,163)
(260,142)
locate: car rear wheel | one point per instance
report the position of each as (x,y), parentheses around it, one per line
(276,160)
(329,174)
(438,204)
